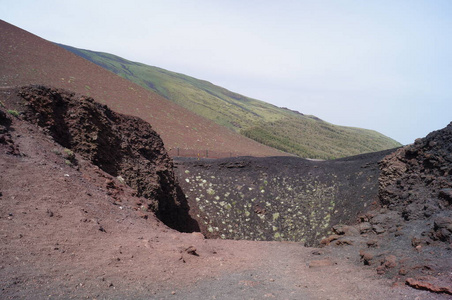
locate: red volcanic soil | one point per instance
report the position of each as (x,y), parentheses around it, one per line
(70,230)
(27,59)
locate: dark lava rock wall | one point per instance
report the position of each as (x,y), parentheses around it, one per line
(123,146)
(409,237)
(416,181)
(420,170)
(278,198)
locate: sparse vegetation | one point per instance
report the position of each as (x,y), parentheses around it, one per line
(14,113)
(56,151)
(69,156)
(68,152)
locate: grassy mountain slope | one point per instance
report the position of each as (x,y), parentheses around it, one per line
(317,139)
(281,128)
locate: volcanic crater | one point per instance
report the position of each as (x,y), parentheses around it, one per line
(90,199)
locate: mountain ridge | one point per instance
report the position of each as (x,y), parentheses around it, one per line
(281,128)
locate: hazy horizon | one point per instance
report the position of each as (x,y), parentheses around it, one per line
(382,65)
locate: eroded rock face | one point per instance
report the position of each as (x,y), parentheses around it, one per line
(278,198)
(120,145)
(417,180)
(411,234)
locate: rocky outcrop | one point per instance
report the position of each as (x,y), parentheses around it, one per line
(409,236)
(421,171)
(417,181)
(123,146)
(421,285)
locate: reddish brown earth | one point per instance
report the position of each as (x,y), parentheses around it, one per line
(68,229)
(28,59)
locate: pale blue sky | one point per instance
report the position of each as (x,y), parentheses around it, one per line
(381,65)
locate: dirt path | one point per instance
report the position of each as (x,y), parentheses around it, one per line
(291,271)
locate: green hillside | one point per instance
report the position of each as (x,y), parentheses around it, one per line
(281,128)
